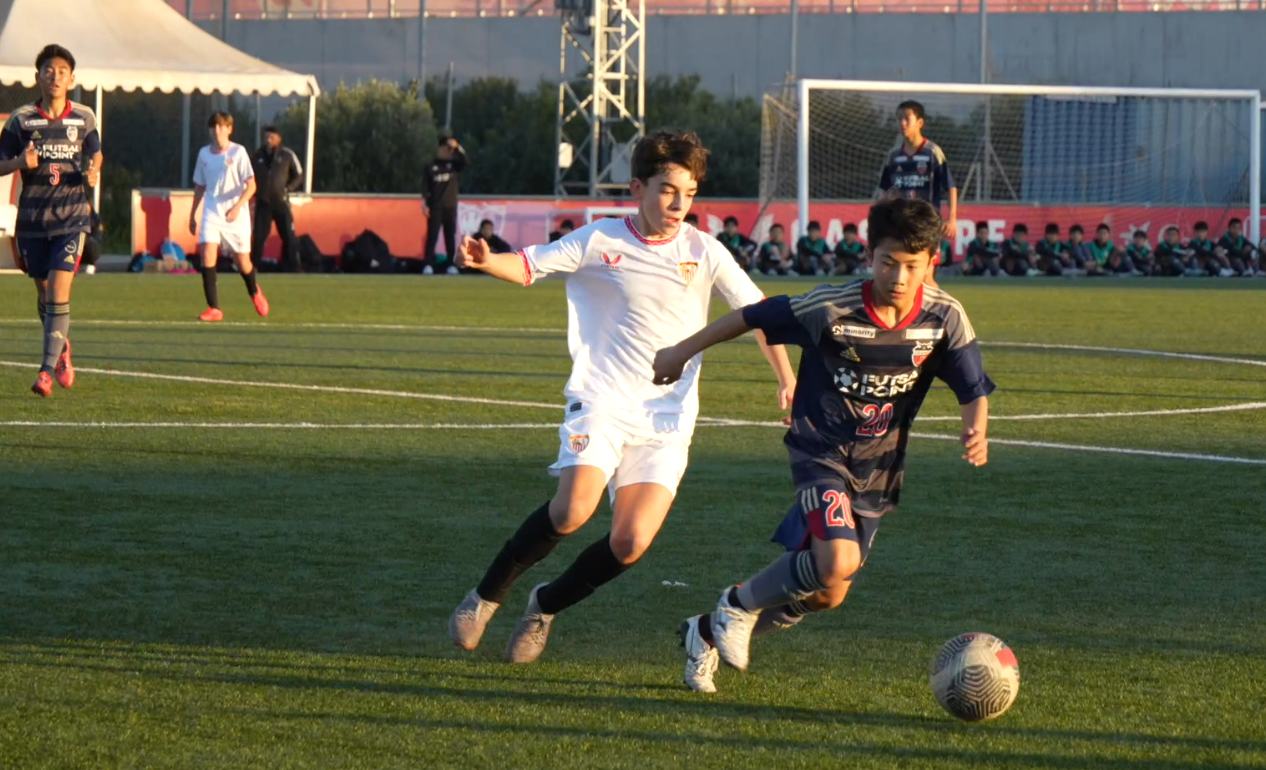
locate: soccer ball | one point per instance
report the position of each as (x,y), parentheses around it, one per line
(975,677)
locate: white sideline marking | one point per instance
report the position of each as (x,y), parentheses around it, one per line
(550,425)
(1128,351)
(266,325)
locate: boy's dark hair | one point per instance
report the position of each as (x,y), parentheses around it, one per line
(1052,229)
(271,129)
(484,222)
(1140,234)
(982,225)
(850,228)
(1234,221)
(814,225)
(731,221)
(54,51)
(914,224)
(220,118)
(1020,227)
(692,218)
(658,150)
(1202,225)
(568,224)
(1103,226)
(1077,229)
(912,106)
(776,226)
(441,140)
(1171,229)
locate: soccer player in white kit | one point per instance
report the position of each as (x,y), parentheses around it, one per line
(633,285)
(224,182)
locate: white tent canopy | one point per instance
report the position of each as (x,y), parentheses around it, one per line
(134,44)
(140,44)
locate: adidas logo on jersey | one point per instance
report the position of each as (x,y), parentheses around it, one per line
(850,354)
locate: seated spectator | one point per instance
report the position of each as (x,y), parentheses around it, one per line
(774,257)
(1079,250)
(1107,257)
(1210,258)
(1139,253)
(1239,254)
(983,256)
(564,227)
(693,220)
(1018,257)
(813,257)
(850,253)
(1053,255)
(742,248)
(1173,258)
(494,241)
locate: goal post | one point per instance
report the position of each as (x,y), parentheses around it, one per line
(1135,158)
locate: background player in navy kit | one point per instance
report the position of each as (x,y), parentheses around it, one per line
(55,145)
(917,168)
(871,350)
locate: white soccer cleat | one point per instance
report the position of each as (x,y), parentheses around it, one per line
(530,634)
(702,659)
(732,631)
(467,624)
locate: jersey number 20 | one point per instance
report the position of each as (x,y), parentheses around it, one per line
(877,420)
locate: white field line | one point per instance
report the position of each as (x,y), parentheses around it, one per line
(1129,352)
(551,426)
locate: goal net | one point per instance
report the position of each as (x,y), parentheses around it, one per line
(1134,159)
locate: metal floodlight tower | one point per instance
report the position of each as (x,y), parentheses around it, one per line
(602,109)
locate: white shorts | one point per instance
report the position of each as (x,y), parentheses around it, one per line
(627,449)
(228,235)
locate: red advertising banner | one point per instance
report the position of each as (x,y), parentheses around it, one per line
(334,220)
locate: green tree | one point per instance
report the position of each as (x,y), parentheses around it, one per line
(729,128)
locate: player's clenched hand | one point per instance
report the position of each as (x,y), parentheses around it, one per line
(668,366)
(976,445)
(951,228)
(473,253)
(786,394)
(93,175)
(233,214)
(31,157)
(193,226)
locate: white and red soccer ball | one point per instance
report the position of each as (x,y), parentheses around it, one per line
(975,677)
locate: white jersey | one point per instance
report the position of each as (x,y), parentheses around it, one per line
(628,297)
(225,175)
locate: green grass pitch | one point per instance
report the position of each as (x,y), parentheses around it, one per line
(209,595)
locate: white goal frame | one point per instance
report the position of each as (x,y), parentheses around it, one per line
(806,86)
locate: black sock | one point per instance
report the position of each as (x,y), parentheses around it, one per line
(209,288)
(733,598)
(252,288)
(533,541)
(594,567)
(705,627)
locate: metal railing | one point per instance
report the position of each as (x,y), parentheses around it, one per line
(386,9)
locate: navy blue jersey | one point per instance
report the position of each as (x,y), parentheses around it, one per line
(922,174)
(861,382)
(54,198)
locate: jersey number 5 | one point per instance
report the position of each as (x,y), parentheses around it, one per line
(838,511)
(877,420)
(56,170)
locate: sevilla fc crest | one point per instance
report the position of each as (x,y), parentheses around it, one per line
(687,270)
(578,443)
(922,350)
(612,262)
(72,133)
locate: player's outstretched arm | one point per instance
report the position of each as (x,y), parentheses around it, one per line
(671,361)
(477,254)
(975,431)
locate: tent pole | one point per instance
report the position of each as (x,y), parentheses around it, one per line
(185,107)
(259,111)
(307,176)
(96,191)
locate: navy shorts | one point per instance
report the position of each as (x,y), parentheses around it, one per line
(42,254)
(825,511)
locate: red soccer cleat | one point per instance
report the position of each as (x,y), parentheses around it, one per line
(212,314)
(64,372)
(43,385)
(261,302)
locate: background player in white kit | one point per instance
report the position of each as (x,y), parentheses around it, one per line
(224,182)
(633,285)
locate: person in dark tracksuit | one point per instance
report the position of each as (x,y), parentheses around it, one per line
(278,173)
(439,200)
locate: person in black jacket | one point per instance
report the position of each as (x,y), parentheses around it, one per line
(278,173)
(439,200)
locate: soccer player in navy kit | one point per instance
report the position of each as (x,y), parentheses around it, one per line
(917,168)
(871,350)
(55,145)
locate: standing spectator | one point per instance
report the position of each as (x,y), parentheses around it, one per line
(742,248)
(1079,250)
(1053,255)
(439,201)
(564,227)
(1238,252)
(1172,258)
(1140,255)
(850,253)
(775,256)
(494,241)
(1018,257)
(813,256)
(279,173)
(1210,257)
(917,168)
(983,256)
